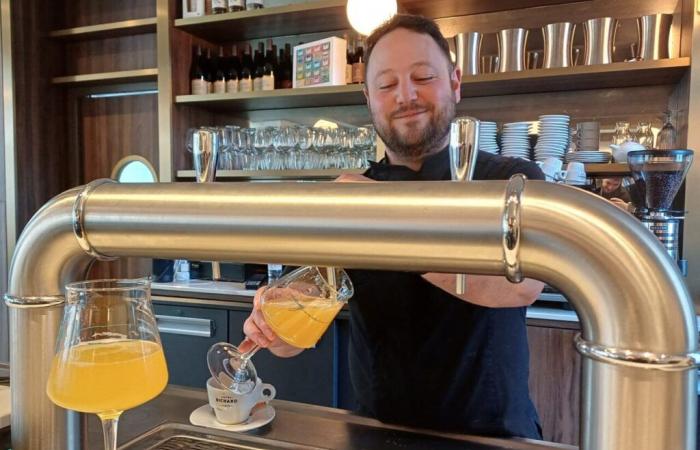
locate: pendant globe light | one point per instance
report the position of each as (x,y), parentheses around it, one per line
(366,15)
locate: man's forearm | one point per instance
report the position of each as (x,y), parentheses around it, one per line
(489,291)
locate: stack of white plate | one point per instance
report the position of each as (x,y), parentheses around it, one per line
(553,139)
(515,142)
(487,137)
(588,157)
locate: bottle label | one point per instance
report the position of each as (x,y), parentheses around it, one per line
(232,86)
(210,88)
(245,85)
(348,73)
(358,72)
(236,4)
(218,4)
(219,87)
(254,4)
(268,83)
(257,84)
(199,86)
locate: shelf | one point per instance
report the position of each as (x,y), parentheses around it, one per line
(616,75)
(107,30)
(279,98)
(596,170)
(124,76)
(272,175)
(329,15)
(312,17)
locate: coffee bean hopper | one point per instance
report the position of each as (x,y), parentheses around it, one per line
(658,175)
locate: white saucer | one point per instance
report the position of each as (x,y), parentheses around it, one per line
(204,417)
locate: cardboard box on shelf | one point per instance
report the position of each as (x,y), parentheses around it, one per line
(320,63)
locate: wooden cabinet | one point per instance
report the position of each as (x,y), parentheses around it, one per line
(555,380)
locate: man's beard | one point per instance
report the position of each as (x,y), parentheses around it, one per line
(419,142)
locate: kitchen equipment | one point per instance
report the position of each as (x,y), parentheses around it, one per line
(464,144)
(619,151)
(599,37)
(658,175)
(558,44)
(667,139)
(511,49)
(489,63)
(653,33)
(468,46)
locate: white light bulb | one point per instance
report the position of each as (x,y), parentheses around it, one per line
(366,15)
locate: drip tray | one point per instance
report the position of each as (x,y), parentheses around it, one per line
(178,436)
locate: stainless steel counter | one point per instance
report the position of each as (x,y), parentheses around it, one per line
(304,426)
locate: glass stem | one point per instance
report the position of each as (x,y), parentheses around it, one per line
(109,429)
(249,354)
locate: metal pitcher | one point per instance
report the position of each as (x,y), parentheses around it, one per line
(558,44)
(653,33)
(468,46)
(599,36)
(511,49)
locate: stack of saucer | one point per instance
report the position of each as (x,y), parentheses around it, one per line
(515,142)
(553,139)
(590,157)
(487,137)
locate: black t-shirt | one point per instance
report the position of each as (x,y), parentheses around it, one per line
(421,357)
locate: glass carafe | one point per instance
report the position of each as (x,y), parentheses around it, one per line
(622,133)
(645,136)
(108,356)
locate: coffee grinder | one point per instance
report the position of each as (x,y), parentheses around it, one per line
(658,175)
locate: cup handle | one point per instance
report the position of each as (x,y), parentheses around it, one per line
(562,174)
(267,387)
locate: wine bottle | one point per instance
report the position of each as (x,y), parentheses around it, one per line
(349,55)
(259,65)
(218,6)
(358,64)
(232,69)
(219,73)
(198,73)
(236,5)
(245,76)
(209,71)
(254,4)
(286,72)
(268,75)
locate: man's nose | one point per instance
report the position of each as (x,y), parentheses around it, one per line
(406,93)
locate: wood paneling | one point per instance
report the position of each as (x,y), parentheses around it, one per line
(76,13)
(43,157)
(110,55)
(110,129)
(555,382)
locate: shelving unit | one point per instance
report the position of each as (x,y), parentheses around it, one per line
(96,79)
(272,175)
(616,75)
(107,30)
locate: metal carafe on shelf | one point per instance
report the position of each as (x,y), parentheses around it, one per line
(464,147)
(468,46)
(599,36)
(206,143)
(658,175)
(653,33)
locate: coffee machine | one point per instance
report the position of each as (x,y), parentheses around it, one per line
(658,175)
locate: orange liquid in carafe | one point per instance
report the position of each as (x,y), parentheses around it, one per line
(297,325)
(107,377)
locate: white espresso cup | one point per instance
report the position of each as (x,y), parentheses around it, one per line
(551,168)
(231,408)
(575,173)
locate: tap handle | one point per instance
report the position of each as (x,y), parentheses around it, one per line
(464,141)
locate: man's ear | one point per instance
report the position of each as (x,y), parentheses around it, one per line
(456,83)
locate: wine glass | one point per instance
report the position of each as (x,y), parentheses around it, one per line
(298,307)
(108,356)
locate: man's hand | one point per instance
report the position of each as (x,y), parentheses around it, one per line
(257,331)
(619,203)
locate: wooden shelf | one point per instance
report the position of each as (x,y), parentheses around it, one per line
(272,175)
(124,76)
(329,15)
(596,170)
(107,30)
(616,75)
(312,17)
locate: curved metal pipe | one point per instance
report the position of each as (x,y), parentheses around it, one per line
(628,293)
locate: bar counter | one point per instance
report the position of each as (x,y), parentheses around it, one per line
(296,425)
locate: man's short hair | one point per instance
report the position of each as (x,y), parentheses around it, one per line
(417,24)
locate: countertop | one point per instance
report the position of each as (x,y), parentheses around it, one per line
(305,426)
